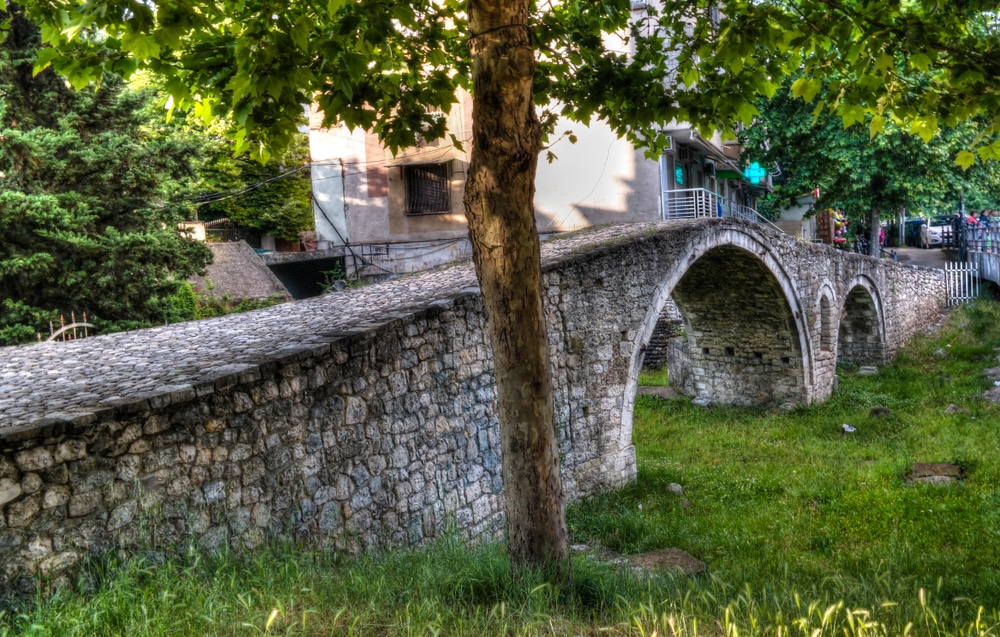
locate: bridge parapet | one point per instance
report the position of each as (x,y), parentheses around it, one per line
(366,417)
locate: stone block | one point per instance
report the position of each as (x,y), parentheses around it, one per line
(215,492)
(85,504)
(9,490)
(70,450)
(35,459)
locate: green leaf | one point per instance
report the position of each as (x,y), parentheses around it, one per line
(44,60)
(990,152)
(965,159)
(926,127)
(333,6)
(876,126)
(920,62)
(746,112)
(851,114)
(884,61)
(301,32)
(142,46)
(806,88)
(690,77)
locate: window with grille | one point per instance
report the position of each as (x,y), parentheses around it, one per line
(428,190)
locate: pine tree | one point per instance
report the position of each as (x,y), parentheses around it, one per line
(90,197)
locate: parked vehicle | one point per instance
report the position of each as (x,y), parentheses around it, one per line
(935,233)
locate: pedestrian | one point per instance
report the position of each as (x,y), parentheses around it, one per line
(925,240)
(985,222)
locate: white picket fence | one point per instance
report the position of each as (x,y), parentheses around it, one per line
(962,281)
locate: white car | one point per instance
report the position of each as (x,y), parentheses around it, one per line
(935,235)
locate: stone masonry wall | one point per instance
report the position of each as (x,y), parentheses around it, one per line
(366,418)
(378,439)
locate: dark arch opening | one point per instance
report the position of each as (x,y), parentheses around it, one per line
(860,336)
(741,343)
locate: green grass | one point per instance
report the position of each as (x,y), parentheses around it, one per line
(786,500)
(653,378)
(806,533)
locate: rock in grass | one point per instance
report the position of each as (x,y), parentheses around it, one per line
(954,409)
(935,473)
(867,370)
(880,412)
(675,488)
(702,402)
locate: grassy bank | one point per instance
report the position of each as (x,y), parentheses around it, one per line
(806,531)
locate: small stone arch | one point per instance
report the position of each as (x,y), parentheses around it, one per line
(861,333)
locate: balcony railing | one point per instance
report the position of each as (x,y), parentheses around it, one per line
(696,203)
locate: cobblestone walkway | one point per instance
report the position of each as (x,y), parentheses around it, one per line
(64,380)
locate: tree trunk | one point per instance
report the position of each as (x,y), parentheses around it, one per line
(499,197)
(874,230)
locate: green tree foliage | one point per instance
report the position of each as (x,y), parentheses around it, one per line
(859,172)
(88,200)
(385,65)
(273,197)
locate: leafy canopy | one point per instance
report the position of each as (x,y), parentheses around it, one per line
(383,64)
(859,172)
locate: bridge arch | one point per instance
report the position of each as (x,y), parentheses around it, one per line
(748,340)
(861,334)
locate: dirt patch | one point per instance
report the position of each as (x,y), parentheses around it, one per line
(660,392)
(669,559)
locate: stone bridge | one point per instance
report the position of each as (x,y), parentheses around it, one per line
(365,417)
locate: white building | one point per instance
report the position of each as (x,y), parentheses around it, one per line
(392,214)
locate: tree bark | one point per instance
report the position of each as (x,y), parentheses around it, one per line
(499,196)
(874,228)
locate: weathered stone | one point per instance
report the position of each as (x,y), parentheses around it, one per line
(58,562)
(9,490)
(215,492)
(22,512)
(31,483)
(122,516)
(356,410)
(34,459)
(935,473)
(84,504)
(55,497)
(242,403)
(156,424)
(70,450)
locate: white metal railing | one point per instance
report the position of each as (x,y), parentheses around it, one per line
(962,282)
(696,203)
(692,203)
